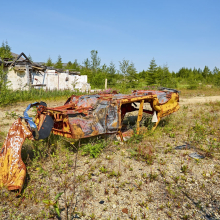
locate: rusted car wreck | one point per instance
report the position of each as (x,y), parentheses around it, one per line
(90,115)
(80,117)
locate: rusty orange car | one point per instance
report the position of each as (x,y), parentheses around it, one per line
(103,113)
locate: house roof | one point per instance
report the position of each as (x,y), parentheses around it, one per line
(22,59)
(16,55)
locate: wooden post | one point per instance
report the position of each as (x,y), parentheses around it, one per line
(105,83)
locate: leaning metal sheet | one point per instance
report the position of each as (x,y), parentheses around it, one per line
(13,170)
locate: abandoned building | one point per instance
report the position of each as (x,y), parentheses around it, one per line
(22,74)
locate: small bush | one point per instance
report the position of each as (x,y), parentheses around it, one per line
(94,149)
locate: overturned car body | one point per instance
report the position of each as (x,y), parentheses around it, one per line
(91,115)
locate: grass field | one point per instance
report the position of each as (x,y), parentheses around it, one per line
(144,178)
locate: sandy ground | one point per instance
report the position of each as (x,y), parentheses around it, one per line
(9,114)
(186,101)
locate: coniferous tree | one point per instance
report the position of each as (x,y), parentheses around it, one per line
(111,74)
(124,67)
(49,62)
(75,65)
(205,72)
(164,76)
(112,69)
(69,65)
(95,60)
(132,76)
(143,75)
(86,63)
(152,72)
(215,71)
(5,51)
(129,72)
(59,64)
(30,58)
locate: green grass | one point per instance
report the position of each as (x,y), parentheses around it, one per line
(94,149)
(9,96)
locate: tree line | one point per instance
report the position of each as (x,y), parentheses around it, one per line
(127,76)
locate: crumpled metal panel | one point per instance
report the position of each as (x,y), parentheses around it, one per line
(13,170)
(103,119)
(82,128)
(87,101)
(162,96)
(112,119)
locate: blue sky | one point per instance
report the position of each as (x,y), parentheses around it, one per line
(176,33)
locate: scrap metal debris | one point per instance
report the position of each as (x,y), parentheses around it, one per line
(183,147)
(13,170)
(196,156)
